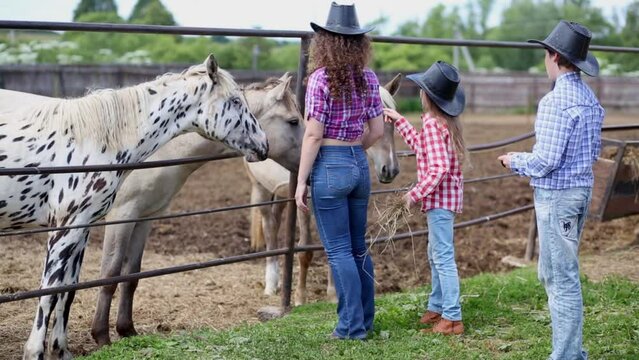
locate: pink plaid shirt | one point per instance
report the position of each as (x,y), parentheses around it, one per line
(341,121)
(440,183)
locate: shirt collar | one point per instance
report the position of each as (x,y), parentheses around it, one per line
(428,117)
(569,76)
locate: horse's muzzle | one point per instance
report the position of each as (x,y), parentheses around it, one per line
(260,154)
(388,174)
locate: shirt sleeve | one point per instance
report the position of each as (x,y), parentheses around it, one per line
(316,97)
(407,132)
(436,164)
(553,128)
(375,107)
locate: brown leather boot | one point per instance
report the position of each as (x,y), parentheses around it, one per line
(430,317)
(446,327)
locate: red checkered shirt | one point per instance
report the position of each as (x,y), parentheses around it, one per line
(440,183)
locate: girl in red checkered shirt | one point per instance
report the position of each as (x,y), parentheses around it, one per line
(439,149)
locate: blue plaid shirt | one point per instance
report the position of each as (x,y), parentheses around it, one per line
(568,137)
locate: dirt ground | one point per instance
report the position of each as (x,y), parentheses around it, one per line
(230,295)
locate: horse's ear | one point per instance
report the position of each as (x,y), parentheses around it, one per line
(285,77)
(279,91)
(393,85)
(211,68)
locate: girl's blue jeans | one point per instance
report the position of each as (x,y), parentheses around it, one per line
(444,297)
(340,189)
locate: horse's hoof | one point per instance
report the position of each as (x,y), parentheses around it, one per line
(300,299)
(32,355)
(127,331)
(102,342)
(270,291)
(101,337)
(60,354)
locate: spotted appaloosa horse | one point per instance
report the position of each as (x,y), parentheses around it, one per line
(105,127)
(270,181)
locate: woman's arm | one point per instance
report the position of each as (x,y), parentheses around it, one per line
(311,143)
(374,132)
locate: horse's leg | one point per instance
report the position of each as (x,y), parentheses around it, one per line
(116,238)
(304,258)
(257,232)
(65,250)
(132,264)
(271,216)
(330,287)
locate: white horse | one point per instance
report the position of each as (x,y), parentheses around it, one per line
(105,127)
(270,181)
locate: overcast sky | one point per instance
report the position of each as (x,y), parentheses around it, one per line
(266,14)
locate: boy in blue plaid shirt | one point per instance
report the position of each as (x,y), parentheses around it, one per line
(568,141)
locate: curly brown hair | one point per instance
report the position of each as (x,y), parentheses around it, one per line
(345,58)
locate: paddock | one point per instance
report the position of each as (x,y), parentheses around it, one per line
(230,295)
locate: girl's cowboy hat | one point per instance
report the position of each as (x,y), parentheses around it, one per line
(342,20)
(441,83)
(571,40)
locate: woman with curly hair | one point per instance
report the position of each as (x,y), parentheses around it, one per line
(343,113)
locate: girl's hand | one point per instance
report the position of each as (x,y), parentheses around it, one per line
(300,197)
(409,201)
(390,115)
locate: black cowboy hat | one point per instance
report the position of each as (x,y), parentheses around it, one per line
(571,40)
(441,83)
(342,20)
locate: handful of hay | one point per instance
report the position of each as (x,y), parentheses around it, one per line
(631,159)
(393,211)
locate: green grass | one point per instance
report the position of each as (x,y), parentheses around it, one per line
(505,317)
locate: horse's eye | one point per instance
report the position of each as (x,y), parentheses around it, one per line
(294,122)
(236,101)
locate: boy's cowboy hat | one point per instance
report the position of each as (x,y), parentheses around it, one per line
(342,20)
(441,83)
(571,40)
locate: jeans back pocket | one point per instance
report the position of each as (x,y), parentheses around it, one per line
(341,177)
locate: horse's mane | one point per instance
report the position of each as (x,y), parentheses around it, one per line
(288,99)
(387,98)
(111,116)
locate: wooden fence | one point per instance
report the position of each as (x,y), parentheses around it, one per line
(484,92)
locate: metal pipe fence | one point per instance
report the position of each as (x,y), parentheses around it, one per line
(289,251)
(207,211)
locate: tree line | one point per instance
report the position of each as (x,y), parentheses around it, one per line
(519,21)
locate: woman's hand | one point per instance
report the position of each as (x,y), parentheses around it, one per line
(300,196)
(390,115)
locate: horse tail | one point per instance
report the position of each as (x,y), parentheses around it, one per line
(257,231)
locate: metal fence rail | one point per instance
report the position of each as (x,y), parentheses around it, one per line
(228,260)
(208,211)
(189,30)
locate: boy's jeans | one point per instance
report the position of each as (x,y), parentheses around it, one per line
(561,215)
(340,189)
(444,297)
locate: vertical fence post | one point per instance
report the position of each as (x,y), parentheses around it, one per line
(287,282)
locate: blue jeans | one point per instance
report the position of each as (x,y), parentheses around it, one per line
(444,296)
(561,215)
(340,188)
